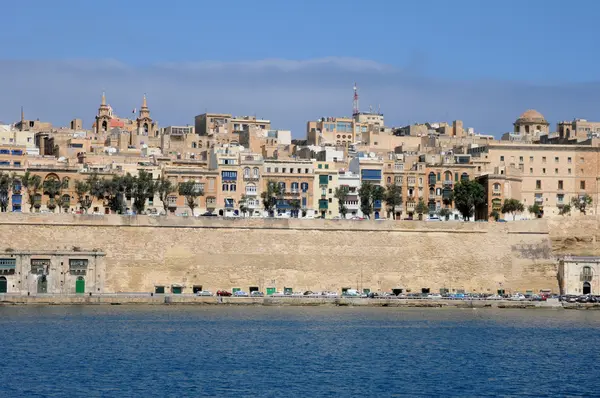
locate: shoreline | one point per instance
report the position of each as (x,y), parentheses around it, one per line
(125,299)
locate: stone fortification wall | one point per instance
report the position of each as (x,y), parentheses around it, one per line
(142,252)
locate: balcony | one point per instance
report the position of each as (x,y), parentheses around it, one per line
(251,178)
(585,277)
(411,183)
(448,183)
(251,192)
(323,204)
(539,200)
(228,205)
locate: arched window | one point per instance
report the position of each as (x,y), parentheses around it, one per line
(282,186)
(104,126)
(496,187)
(527,129)
(432,178)
(304,186)
(431,191)
(247,172)
(194,145)
(389,180)
(232,187)
(225,187)
(448,176)
(255,172)
(294,187)
(146,128)
(464,177)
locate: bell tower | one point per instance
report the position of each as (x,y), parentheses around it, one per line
(104,116)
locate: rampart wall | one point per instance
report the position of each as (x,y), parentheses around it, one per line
(143,252)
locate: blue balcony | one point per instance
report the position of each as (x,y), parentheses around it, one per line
(377,204)
(16,199)
(229,175)
(370,175)
(17,152)
(283,204)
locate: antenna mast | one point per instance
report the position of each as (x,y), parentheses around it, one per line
(355,110)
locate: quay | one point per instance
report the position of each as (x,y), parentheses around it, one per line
(185,299)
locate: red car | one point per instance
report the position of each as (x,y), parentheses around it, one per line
(223,293)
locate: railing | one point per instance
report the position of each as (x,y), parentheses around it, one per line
(585,277)
(251,178)
(448,183)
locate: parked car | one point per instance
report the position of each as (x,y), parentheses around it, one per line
(257,294)
(517,297)
(434,296)
(204,293)
(223,293)
(240,293)
(208,214)
(433,218)
(494,297)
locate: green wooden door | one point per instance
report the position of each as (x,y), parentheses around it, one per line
(270,291)
(42,284)
(80,285)
(3,285)
(176,289)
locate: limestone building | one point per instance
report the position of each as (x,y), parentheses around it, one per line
(579,275)
(53,272)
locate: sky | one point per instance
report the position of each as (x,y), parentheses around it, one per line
(480,61)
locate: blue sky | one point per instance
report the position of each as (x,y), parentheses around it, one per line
(483,62)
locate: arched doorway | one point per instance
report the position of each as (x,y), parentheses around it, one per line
(587,288)
(80,285)
(376,215)
(42,284)
(3,284)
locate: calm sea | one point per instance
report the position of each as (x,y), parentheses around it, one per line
(298,352)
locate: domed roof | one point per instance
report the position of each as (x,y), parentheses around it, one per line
(533,116)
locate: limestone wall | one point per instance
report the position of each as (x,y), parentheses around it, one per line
(142,252)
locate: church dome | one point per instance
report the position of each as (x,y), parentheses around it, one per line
(531,116)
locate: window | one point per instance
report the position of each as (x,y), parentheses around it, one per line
(276,169)
(560,184)
(569,171)
(581,160)
(326,166)
(586,274)
(521,159)
(560,198)
(531,170)
(538,184)
(582,184)
(568,160)
(544,170)
(555,171)
(282,186)
(502,158)
(283,170)
(496,188)
(556,159)
(232,187)
(330,178)
(78,267)
(531,158)
(268,169)
(255,172)
(225,187)
(305,171)
(247,172)
(543,159)
(304,186)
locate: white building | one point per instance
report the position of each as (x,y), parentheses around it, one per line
(579,275)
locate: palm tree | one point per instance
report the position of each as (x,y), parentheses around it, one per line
(243,203)
(53,187)
(295,203)
(33,184)
(270,196)
(341,194)
(82,189)
(6,181)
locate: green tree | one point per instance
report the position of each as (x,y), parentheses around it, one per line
(365,193)
(582,202)
(53,187)
(445,213)
(393,198)
(164,188)
(566,209)
(6,181)
(140,188)
(33,184)
(468,195)
(270,196)
(191,192)
(495,215)
(341,194)
(512,206)
(82,190)
(421,208)
(535,209)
